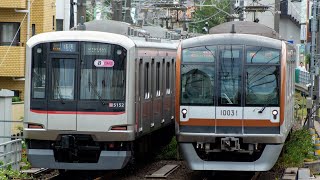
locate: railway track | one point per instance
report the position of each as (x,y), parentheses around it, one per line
(142,171)
(41,173)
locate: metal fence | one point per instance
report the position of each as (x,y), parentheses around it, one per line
(302,77)
(10,144)
(10,154)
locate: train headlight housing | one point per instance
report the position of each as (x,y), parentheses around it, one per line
(184,113)
(274,113)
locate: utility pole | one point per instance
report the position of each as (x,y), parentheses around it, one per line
(313,70)
(81,10)
(316,59)
(117,10)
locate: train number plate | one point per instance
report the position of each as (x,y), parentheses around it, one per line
(116,105)
(229,112)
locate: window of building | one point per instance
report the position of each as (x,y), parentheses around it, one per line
(53,20)
(33,29)
(8,34)
(59,23)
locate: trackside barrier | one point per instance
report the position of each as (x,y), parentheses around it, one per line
(10,154)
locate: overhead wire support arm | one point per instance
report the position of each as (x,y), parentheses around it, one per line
(312,59)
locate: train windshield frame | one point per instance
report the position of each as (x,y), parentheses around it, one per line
(230,75)
(78,73)
(103,72)
(198,76)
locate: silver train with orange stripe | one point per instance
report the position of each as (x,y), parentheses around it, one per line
(94,98)
(234,100)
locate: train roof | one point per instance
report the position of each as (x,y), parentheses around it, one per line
(155,43)
(102,37)
(245,27)
(232,39)
(110,26)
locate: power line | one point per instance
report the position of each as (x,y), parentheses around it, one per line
(219,10)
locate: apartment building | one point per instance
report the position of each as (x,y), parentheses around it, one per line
(20,20)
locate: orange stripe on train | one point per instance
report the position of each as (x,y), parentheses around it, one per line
(229,122)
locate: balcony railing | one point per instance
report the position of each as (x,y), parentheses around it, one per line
(19,4)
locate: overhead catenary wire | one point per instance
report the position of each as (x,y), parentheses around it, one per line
(219,11)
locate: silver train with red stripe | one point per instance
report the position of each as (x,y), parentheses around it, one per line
(95,98)
(234,99)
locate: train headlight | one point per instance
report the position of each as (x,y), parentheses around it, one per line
(184,113)
(274,113)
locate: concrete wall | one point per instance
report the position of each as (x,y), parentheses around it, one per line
(265,18)
(17,115)
(289,30)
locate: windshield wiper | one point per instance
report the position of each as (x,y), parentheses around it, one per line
(97,93)
(265,105)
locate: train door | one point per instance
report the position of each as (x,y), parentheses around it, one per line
(157,93)
(229,110)
(146,99)
(173,77)
(138,95)
(62,103)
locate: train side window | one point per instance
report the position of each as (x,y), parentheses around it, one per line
(172,74)
(168,90)
(146,81)
(38,72)
(158,92)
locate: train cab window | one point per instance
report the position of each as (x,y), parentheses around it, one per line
(230,75)
(197,84)
(262,55)
(102,72)
(63,78)
(262,76)
(262,85)
(199,54)
(197,76)
(38,73)
(146,81)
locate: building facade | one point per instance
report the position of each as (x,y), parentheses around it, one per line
(20,20)
(66,14)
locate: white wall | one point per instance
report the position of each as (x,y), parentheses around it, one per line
(265,18)
(63,12)
(289,31)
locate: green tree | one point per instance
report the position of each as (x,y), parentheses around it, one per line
(213,15)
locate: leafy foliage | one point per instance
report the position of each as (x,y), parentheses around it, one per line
(12,174)
(212,15)
(298,147)
(169,151)
(16,99)
(9,173)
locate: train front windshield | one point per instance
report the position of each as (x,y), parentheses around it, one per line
(230,75)
(73,74)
